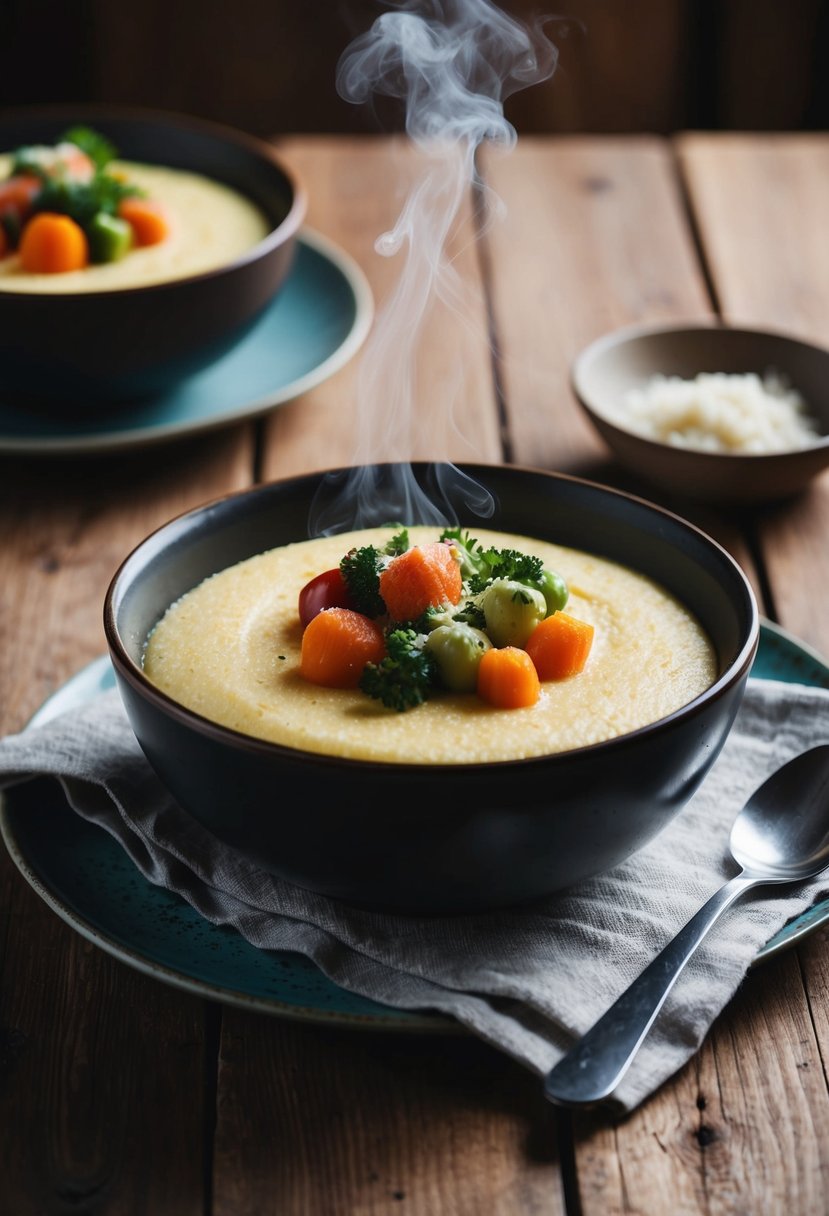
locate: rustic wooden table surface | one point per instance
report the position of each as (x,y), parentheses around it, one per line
(120,1095)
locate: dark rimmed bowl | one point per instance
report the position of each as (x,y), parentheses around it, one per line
(627,358)
(436,838)
(105,348)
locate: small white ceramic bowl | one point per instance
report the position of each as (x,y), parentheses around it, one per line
(626,359)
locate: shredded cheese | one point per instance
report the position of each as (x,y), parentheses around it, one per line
(717,412)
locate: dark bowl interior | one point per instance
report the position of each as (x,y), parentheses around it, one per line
(103,348)
(627,358)
(443,837)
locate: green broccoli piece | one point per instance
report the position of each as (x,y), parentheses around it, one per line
(82,201)
(398,544)
(471,614)
(480,566)
(360,569)
(507,564)
(405,677)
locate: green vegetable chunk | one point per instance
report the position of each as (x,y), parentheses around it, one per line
(360,569)
(554,589)
(512,611)
(407,675)
(457,649)
(110,238)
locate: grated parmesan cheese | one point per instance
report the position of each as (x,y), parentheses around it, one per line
(717,412)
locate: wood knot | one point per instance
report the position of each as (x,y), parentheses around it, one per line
(705,1135)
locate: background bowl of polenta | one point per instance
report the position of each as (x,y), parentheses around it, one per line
(136,247)
(431,717)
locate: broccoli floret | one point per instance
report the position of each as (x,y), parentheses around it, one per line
(471,614)
(405,677)
(398,544)
(480,566)
(507,564)
(360,569)
(470,553)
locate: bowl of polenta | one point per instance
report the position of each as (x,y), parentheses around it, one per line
(136,247)
(431,716)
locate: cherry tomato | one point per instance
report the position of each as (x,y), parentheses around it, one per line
(327,590)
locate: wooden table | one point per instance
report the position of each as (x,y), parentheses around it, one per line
(121,1095)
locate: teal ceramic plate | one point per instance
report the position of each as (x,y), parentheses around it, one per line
(83,874)
(317,322)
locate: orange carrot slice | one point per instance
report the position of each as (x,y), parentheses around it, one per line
(148,220)
(559,646)
(507,678)
(53,244)
(423,577)
(336,646)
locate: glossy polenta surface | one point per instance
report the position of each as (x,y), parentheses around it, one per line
(230,649)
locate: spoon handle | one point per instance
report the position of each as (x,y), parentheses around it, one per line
(593,1068)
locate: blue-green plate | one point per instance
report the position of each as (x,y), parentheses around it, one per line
(317,322)
(83,874)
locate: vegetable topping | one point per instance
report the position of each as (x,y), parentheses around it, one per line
(404,621)
(80,208)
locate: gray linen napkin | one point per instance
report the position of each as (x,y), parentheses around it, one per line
(528,980)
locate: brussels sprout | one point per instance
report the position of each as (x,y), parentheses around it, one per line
(554,590)
(512,611)
(457,650)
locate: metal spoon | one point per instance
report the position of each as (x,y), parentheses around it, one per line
(780,835)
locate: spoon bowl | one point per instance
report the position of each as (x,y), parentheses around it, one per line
(781,835)
(782,832)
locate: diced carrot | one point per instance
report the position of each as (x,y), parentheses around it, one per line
(53,244)
(148,220)
(425,576)
(559,646)
(336,646)
(18,193)
(507,678)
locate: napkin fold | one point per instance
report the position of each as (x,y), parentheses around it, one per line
(528,980)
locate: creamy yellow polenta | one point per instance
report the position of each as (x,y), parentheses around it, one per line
(211,225)
(230,648)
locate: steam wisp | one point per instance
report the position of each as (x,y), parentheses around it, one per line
(452,63)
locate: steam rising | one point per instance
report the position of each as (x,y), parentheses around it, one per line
(452,63)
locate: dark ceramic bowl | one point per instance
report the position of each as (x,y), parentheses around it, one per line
(627,358)
(91,349)
(431,838)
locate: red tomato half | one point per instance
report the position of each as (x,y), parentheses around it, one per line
(327,590)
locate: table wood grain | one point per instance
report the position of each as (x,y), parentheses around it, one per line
(119,1095)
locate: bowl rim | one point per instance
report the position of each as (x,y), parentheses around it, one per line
(619,337)
(130,671)
(276,237)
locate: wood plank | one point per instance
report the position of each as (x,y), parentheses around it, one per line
(357,189)
(103,1070)
(345,1121)
(65,526)
(761,204)
(102,1075)
(744,1126)
(735,1131)
(595,238)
